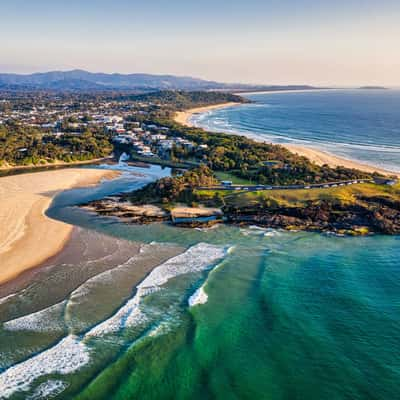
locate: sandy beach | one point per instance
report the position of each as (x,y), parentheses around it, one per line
(27,236)
(321,158)
(318,156)
(183,117)
(6,167)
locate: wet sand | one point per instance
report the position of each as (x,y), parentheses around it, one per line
(27,236)
(87,254)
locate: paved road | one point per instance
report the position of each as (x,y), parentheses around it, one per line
(254,188)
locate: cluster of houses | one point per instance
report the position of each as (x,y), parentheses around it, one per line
(153,140)
(57,116)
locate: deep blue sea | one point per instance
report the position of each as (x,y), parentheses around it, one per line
(362,125)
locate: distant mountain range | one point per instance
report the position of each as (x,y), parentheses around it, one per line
(79,80)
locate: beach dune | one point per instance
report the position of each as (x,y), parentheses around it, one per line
(27,236)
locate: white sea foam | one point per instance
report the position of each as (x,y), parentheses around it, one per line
(198,297)
(48,319)
(252,231)
(210,228)
(48,389)
(195,259)
(229,251)
(272,232)
(71,353)
(6,298)
(259,231)
(106,276)
(162,328)
(66,357)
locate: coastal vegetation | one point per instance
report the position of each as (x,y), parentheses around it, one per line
(356,209)
(175,100)
(174,189)
(253,161)
(42,128)
(89,129)
(21,145)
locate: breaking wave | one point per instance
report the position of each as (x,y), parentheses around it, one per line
(40,321)
(259,231)
(48,389)
(67,356)
(105,276)
(72,353)
(198,297)
(197,258)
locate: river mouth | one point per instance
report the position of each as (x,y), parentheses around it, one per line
(129,311)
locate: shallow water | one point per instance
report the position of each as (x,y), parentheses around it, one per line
(227,313)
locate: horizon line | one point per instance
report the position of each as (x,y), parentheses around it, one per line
(77,69)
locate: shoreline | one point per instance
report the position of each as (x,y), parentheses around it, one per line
(28,237)
(355,219)
(9,170)
(319,157)
(183,117)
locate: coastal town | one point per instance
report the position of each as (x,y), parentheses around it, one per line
(60,120)
(200,200)
(214,170)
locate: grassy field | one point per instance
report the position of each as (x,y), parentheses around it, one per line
(226,176)
(300,197)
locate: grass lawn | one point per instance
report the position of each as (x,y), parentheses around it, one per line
(299,197)
(227,176)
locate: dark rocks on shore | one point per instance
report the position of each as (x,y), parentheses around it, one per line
(324,217)
(127,212)
(376,217)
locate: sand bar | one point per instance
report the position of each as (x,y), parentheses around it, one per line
(318,156)
(27,236)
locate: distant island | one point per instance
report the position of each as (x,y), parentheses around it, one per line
(374,87)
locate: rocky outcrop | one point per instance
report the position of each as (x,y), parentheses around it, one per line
(374,216)
(353,219)
(143,214)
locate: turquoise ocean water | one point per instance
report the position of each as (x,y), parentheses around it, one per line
(228,313)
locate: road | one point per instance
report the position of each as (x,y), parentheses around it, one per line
(255,188)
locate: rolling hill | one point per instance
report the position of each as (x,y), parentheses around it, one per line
(79,80)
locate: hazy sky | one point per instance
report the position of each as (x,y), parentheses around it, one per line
(335,42)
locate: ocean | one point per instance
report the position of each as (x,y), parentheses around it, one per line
(362,125)
(158,312)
